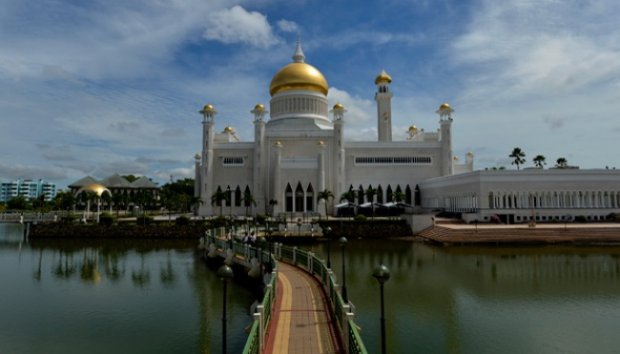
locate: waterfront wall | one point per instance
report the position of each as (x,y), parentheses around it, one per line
(121,230)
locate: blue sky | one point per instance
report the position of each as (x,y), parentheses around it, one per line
(98,87)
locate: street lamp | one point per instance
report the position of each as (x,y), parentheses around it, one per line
(382,274)
(225,273)
(328,230)
(343,243)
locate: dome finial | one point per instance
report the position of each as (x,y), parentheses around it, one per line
(299,56)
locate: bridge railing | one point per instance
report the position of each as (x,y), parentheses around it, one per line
(342,312)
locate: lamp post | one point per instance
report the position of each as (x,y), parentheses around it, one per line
(343,243)
(299,227)
(328,230)
(382,274)
(225,273)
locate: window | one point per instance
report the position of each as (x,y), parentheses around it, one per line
(395,160)
(232,161)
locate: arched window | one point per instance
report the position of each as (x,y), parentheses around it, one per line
(288,198)
(360,195)
(379,194)
(388,194)
(417,200)
(310,198)
(238,196)
(228,196)
(248,198)
(218,202)
(299,198)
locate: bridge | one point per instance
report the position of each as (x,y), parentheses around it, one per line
(302,309)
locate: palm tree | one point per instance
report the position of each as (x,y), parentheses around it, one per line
(349,196)
(218,197)
(518,156)
(370,195)
(539,161)
(561,162)
(272,204)
(398,196)
(248,201)
(325,195)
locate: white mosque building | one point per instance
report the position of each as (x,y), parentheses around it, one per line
(299,150)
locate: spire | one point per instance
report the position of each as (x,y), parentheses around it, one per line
(299,56)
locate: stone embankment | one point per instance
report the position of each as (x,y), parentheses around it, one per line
(581,235)
(121,230)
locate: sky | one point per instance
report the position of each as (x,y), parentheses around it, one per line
(114,86)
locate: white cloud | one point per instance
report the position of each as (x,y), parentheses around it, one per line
(236,25)
(288,26)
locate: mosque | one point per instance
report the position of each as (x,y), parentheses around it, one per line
(299,150)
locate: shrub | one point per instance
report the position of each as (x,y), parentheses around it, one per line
(144,220)
(106,219)
(219,221)
(360,217)
(182,220)
(580,218)
(261,219)
(69,219)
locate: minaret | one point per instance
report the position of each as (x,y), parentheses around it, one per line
(339,162)
(258,189)
(206,176)
(445,136)
(383,96)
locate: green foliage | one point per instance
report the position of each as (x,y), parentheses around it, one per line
(348,196)
(64,200)
(539,161)
(182,221)
(144,220)
(581,218)
(261,219)
(518,155)
(18,203)
(360,217)
(106,219)
(561,162)
(68,219)
(130,178)
(220,221)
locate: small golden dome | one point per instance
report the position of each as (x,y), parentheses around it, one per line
(383,77)
(298,76)
(229,129)
(455,158)
(338,106)
(444,106)
(321,143)
(97,188)
(259,107)
(470,154)
(413,128)
(278,144)
(208,108)
(197,156)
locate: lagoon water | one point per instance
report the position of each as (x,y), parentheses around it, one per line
(67,296)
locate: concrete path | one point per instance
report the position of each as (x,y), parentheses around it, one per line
(301,323)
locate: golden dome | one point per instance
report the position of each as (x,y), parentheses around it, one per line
(208,108)
(383,77)
(470,154)
(444,106)
(97,188)
(197,156)
(229,129)
(321,143)
(413,128)
(259,107)
(278,144)
(298,76)
(338,106)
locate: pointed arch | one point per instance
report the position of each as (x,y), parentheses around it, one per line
(360,195)
(379,194)
(238,196)
(218,202)
(248,199)
(310,198)
(228,196)
(288,198)
(299,198)
(389,195)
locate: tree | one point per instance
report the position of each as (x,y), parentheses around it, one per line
(64,200)
(248,201)
(325,195)
(539,161)
(398,196)
(518,155)
(561,163)
(18,203)
(349,196)
(370,195)
(218,197)
(272,204)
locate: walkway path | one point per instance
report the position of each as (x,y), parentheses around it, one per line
(301,323)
